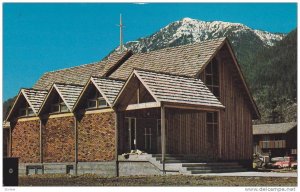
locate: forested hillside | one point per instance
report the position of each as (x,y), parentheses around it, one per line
(272,76)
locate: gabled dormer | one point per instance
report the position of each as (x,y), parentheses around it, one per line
(98,93)
(60,99)
(27,104)
(149,89)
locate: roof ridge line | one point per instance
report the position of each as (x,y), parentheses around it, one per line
(178,46)
(68,84)
(109,78)
(165,73)
(78,66)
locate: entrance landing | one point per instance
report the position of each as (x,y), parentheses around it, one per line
(183,164)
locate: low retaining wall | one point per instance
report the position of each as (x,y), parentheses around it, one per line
(105,169)
(130,168)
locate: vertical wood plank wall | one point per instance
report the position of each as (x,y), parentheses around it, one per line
(236,120)
(186,132)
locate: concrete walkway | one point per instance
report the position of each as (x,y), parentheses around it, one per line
(253,174)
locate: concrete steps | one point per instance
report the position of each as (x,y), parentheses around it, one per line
(213,167)
(218,171)
(193,164)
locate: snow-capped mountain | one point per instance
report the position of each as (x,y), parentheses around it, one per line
(189,30)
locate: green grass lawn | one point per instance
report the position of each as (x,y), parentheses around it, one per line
(169,180)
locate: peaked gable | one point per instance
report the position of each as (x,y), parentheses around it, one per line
(33,97)
(67,92)
(107,87)
(172,89)
(239,77)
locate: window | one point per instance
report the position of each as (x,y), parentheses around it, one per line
(96,100)
(130,125)
(70,169)
(148,138)
(59,106)
(26,111)
(212,77)
(212,126)
(34,169)
(266,138)
(101,102)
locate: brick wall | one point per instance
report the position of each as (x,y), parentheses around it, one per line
(96,137)
(26,141)
(58,140)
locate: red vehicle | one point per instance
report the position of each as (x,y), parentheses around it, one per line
(285,162)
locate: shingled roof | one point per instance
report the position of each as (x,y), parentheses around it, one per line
(69,93)
(184,60)
(35,98)
(276,128)
(109,88)
(81,74)
(175,89)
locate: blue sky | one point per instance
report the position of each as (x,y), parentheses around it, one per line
(44,37)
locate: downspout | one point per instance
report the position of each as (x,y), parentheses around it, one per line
(10,141)
(163,138)
(41,142)
(76,145)
(116,142)
(219,135)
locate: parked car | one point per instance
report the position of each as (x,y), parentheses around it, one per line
(284,162)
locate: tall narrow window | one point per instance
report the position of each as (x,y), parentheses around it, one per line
(212,77)
(130,125)
(212,126)
(148,138)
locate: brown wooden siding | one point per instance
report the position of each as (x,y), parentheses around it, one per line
(122,142)
(236,120)
(186,132)
(291,138)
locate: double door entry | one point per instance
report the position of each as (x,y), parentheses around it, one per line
(143,134)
